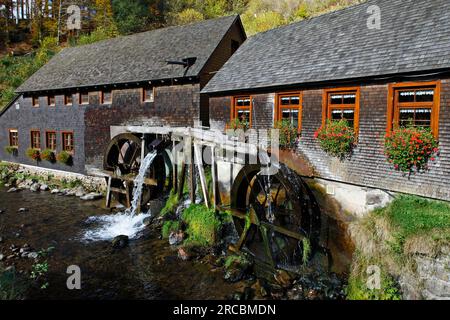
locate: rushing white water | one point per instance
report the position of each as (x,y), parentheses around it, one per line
(129,222)
(110,226)
(139,181)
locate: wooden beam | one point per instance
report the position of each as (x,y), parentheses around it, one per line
(182,179)
(198,157)
(174,168)
(214,177)
(108,193)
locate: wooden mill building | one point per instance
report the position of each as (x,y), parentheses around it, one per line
(150,78)
(334,66)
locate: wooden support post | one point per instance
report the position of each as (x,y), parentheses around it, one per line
(214,177)
(191,172)
(182,179)
(198,157)
(127,194)
(174,168)
(108,193)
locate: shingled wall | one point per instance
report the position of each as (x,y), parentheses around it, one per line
(367,166)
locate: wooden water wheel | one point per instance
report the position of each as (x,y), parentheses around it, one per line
(122,161)
(276,217)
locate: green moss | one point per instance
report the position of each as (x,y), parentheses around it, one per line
(202,225)
(171,204)
(235,260)
(306,250)
(168,227)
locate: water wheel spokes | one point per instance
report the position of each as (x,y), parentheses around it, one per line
(123,160)
(272,221)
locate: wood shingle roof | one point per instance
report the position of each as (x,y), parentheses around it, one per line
(414,37)
(134,58)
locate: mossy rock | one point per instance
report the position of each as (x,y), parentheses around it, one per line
(236,267)
(168,227)
(203,225)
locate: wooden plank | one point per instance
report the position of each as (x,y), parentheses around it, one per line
(129,178)
(191,172)
(214,178)
(182,181)
(174,168)
(198,157)
(108,193)
(118,190)
(127,194)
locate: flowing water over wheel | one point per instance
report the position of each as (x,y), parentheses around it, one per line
(123,159)
(276,217)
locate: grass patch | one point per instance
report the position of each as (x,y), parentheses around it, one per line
(390,238)
(413,215)
(202,225)
(168,227)
(171,204)
(358,288)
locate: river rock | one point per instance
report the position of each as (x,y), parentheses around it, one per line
(35,187)
(33,255)
(79,192)
(1,257)
(176,238)
(22,210)
(1,239)
(70,193)
(91,196)
(283,279)
(44,187)
(12,190)
(120,242)
(148,221)
(1,211)
(55,191)
(182,254)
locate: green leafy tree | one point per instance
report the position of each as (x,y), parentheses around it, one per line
(188,16)
(135,16)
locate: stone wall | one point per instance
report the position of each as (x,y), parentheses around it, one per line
(431,280)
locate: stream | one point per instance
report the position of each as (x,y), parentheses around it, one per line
(147,269)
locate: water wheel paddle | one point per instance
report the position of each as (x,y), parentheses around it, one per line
(122,159)
(276,217)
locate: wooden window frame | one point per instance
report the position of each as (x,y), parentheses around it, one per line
(35,102)
(66,96)
(46,139)
(63,143)
(143,99)
(80,99)
(279,106)
(235,109)
(326,102)
(54,101)
(393,113)
(102,97)
(11,130)
(32,140)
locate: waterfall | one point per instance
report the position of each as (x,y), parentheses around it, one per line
(130,222)
(139,182)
